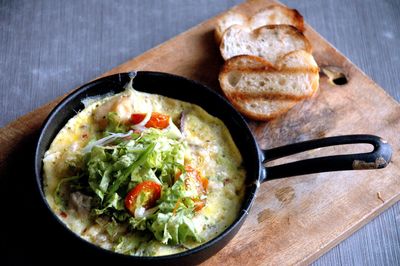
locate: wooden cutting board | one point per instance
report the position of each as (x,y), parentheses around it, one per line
(296,220)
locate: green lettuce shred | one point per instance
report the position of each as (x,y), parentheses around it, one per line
(57,194)
(111,170)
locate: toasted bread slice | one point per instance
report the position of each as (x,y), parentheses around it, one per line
(262,91)
(229,19)
(246,62)
(269,42)
(272,15)
(295,76)
(264,109)
(276,15)
(297,61)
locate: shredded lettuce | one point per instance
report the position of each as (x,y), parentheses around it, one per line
(139,245)
(57,194)
(114,123)
(174,228)
(123,175)
(119,161)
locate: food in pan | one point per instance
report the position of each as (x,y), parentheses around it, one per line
(144,175)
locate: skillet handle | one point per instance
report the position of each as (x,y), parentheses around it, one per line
(378,158)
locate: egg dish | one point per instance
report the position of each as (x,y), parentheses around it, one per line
(143,174)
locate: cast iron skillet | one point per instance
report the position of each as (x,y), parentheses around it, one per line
(254,158)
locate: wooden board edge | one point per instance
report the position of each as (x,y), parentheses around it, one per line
(352,229)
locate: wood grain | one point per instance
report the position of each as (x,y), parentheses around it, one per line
(293,220)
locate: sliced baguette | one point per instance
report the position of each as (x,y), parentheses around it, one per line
(272,15)
(262,91)
(276,15)
(246,62)
(264,110)
(295,76)
(269,42)
(226,21)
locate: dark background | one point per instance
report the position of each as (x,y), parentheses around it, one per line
(48,47)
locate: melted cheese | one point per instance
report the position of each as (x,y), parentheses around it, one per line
(210,149)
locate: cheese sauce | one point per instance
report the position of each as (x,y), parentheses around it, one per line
(210,149)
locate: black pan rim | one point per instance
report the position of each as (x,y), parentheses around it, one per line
(248,202)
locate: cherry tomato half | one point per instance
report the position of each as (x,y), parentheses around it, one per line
(156,120)
(148,192)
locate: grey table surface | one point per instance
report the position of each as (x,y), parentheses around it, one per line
(48,47)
